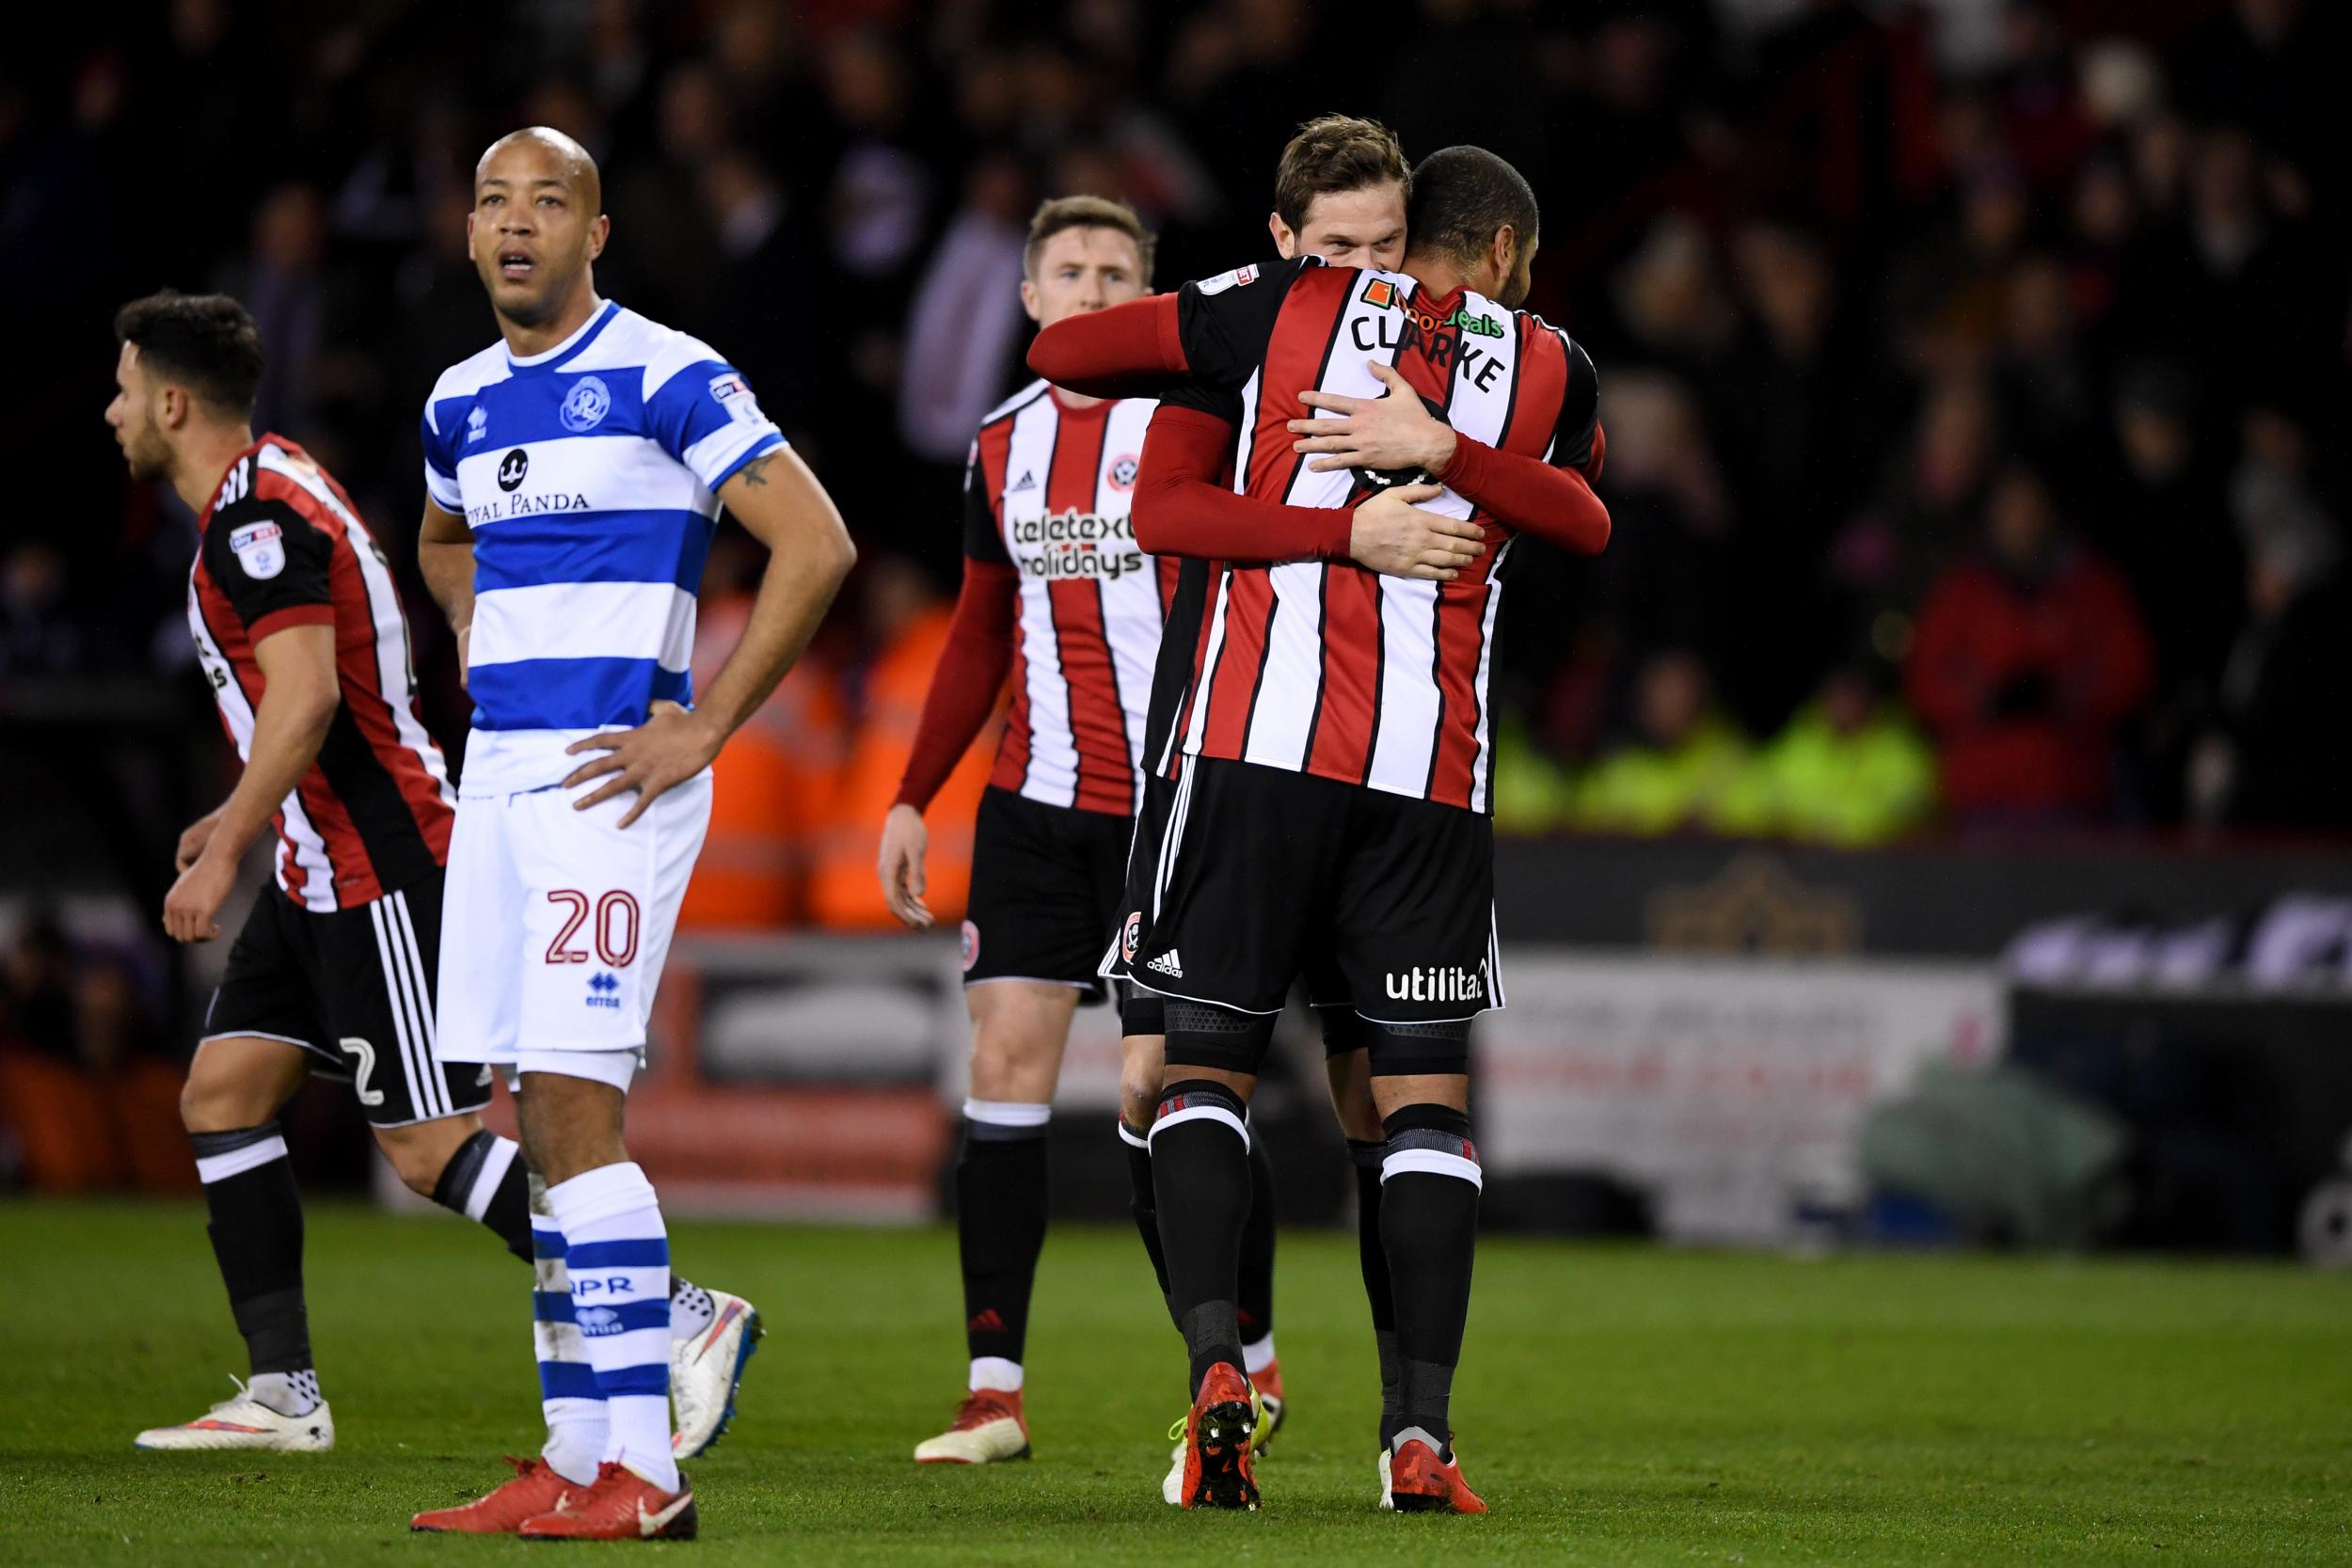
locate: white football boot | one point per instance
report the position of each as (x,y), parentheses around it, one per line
(246,1422)
(705,1371)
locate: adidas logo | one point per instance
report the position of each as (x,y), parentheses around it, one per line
(1026,482)
(1167,963)
(987,1323)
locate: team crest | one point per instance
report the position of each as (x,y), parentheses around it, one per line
(586,404)
(1123,473)
(971,946)
(1131,935)
(1380,292)
(260,548)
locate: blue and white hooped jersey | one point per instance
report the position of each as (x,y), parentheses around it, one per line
(588,475)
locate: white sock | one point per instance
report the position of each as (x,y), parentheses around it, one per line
(691,1310)
(617,1252)
(288,1393)
(995,1372)
(568,1394)
(1257,1358)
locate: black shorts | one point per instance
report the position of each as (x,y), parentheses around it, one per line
(1325,988)
(354,987)
(1044,884)
(1264,866)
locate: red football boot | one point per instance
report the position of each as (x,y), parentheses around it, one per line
(536,1489)
(1421,1482)
(620,1506)
(1217,1466)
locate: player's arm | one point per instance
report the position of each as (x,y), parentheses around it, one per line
(1181,508)
(297,708)
(781,504)
(275,569)
(445,561)
(964,684)
(1552,499)
(1213,332)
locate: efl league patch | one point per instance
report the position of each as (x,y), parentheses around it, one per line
(260,548)
(1234,279)
(1131,935)
(734,394)
(971,946)
(1123,473)
(586,404)
(1380,292)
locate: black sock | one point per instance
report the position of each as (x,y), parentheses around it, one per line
(1000,1229)
(256,1229)
(1372,1258)
(1256,1279)
(486,1180)
(1200,1177)
(1429,1229)
(1143,1203)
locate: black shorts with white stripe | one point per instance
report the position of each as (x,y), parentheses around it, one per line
(355,989)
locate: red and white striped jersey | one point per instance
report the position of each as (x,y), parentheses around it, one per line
(1325,667)
(1047,491)
(281,545)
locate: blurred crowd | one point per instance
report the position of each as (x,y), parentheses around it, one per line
(1974,369)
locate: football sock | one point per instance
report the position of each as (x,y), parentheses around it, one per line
(486,1180)
(288,1393)
(617,1252)
(256,1228)
(691,1310)
(1429,1225)
(568,1394)
(1373,1257)
(1201,1175)
(1000,1223)
(1142,1203)
(1255,1280)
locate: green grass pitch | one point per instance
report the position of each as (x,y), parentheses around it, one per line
(1616,1405)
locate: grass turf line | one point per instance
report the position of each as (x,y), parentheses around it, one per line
(1616,1405)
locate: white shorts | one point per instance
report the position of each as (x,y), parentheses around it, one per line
(556,922)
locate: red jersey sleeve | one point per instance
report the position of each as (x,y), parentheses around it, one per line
(1181,509)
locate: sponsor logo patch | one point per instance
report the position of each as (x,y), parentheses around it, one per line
(1169,964)
(734,394)
(1380,292)
(604,989)
(477,426)
(260,548)
(1239,277)
(1432,983)
(586,404)
(513,468)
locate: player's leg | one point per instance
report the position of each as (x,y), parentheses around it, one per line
(1348,1071)
(230,1105)
(1032,938)
(1415,935)
(262,1036)
(1142,1052)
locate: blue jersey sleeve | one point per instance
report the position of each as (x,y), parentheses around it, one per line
(704,415)
(440,458)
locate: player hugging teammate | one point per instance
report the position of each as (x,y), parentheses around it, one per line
(1332,752)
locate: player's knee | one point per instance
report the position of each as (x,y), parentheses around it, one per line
(1351,1097)
(216,1101)
(418,1154)
(1429,1139)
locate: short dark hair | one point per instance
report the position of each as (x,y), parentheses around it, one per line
(1334,153)
(206,342)
(1461,196)
(1086,211)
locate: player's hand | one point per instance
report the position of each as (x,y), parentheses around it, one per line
(1391,432)
(903,842)
(192,841)
(672,746)
(1395,538)
(192,907)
